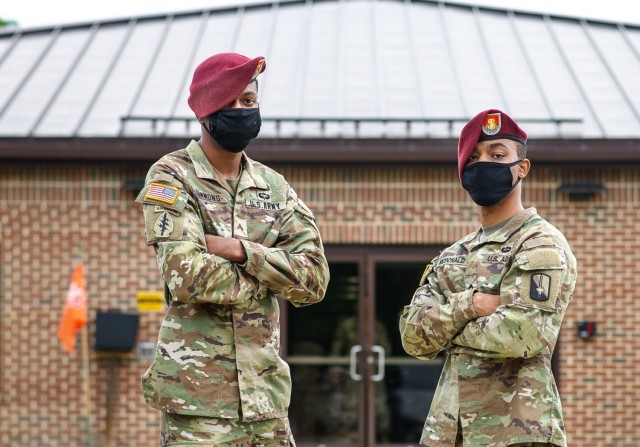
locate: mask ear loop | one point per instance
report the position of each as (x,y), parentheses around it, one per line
(519,178)
(208,129)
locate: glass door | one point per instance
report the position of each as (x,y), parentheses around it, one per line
(402,397)
(353,385)
(323,353)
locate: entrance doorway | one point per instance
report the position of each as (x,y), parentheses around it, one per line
(353,385)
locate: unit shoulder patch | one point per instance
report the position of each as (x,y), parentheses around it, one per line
(541,271)
(540,287)
(162,226)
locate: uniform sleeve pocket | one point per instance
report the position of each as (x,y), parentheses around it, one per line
(539,278)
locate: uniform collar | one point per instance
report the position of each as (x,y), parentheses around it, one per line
(249,177)
(504,233)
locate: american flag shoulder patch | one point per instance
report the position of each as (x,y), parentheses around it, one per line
(162,193)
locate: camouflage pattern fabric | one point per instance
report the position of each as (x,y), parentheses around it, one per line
(497,382)
(178,430)
(218,347)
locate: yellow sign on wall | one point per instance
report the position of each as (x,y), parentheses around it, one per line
(150,301)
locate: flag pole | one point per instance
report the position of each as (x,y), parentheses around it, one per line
(86,389)
(84,349)
(74,320)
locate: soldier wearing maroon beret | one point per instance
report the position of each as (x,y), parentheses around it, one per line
(494,303)
(230,236)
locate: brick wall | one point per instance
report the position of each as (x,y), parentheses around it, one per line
(50,215)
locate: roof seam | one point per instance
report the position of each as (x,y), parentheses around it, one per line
(453,58)
(411,32)
(144,78)
(625,35)
(106,77)
(607,67)
(53,37)
(65,79)
(187,66)
(377,58)
(233,37)
(531,65)
(574,75)
(271,31)
(475,12)
(15,38)
(304,58)
(340,51)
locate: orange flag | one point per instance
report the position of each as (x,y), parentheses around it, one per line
(74,316)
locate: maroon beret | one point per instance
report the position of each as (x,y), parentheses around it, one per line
(492,124)
(220,79)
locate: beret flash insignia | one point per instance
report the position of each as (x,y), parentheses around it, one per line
(258,69)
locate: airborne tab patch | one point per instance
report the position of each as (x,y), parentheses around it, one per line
(162,193)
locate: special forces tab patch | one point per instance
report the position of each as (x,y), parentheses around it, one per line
(162,193)
(540,287)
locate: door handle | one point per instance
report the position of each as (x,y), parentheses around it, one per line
(381,365)
(353,363)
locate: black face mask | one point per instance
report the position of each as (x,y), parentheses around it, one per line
(233,129)
(488,182)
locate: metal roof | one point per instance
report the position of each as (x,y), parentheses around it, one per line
(335,69)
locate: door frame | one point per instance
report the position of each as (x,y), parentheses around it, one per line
(367,257)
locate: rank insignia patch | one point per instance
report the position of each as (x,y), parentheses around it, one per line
(162,193)
(491,124)
(540,287)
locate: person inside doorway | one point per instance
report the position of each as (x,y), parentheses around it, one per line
(494,301)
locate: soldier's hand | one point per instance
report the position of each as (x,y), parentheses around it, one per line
(227,248)
(485,304)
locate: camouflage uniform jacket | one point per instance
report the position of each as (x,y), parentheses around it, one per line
(218,348)
(497,384)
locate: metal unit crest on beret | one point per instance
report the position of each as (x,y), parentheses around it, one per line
(492,123)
